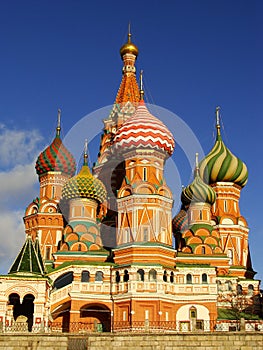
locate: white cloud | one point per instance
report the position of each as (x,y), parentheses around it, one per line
(18,186)
(18,181)
(17,146)
(12,236)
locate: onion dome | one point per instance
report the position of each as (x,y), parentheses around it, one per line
(220,165)
(180,221)
(129,47)
(143,130)
(56,157)
(84,185)
(198,191)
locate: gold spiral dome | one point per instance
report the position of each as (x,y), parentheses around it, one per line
(129,47)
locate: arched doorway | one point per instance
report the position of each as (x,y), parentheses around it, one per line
(26,308)
(61,318)
(98,315)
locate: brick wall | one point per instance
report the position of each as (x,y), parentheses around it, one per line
(204,341)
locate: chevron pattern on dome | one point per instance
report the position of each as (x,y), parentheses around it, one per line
(84,185)
(220,165)
(143,130)
(56,157)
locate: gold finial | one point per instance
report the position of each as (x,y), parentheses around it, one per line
(141,86)
(58,122)
(85,153)
(129,47)
(218,120)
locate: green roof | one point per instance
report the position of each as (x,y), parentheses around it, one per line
(29,259)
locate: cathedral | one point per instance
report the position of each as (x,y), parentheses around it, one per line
(103,252)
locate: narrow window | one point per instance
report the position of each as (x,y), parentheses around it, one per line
(47,253)
(172,277)
(140,275)
(85,276)
(152,275)
(117,277)
(53,192)
(200,215)
(144,174)
(225,206)
(250,289)
(239,289)
(145,234)
(126,276)
(204,278)
(165,276)
(79,247)
(99,276)
(189,278)
(203,250)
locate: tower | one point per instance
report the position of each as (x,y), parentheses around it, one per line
(43,219)
(227,175)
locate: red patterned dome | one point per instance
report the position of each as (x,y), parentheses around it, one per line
(56,157)
(143,130)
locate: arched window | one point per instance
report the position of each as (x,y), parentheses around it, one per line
(200,215)
(63,280)
(239,289)
(140,275)
(172,277)
(250,289)
(229,286)
(219,286)
(225,206)
(126,276)
(204,278)
(165,276)
(189,278)
(203,250)
(99,276)
(85,276)
(152,275)
(193,312)
(117,277)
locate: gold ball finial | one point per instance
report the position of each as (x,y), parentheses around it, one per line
(129,47)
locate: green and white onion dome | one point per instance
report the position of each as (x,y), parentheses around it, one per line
(198,191)
(221,165)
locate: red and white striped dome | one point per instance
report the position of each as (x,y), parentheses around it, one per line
(143,130)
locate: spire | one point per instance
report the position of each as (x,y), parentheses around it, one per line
(28,260)
(218,123)
(196,165)
(58,123)
(141,87)
(128,90)
(85,161)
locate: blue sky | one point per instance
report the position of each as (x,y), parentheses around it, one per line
(65,54)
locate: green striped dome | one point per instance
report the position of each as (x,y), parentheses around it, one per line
(198,191)
(220,165)
(84,185)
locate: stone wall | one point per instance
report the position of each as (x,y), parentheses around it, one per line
(204,341)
